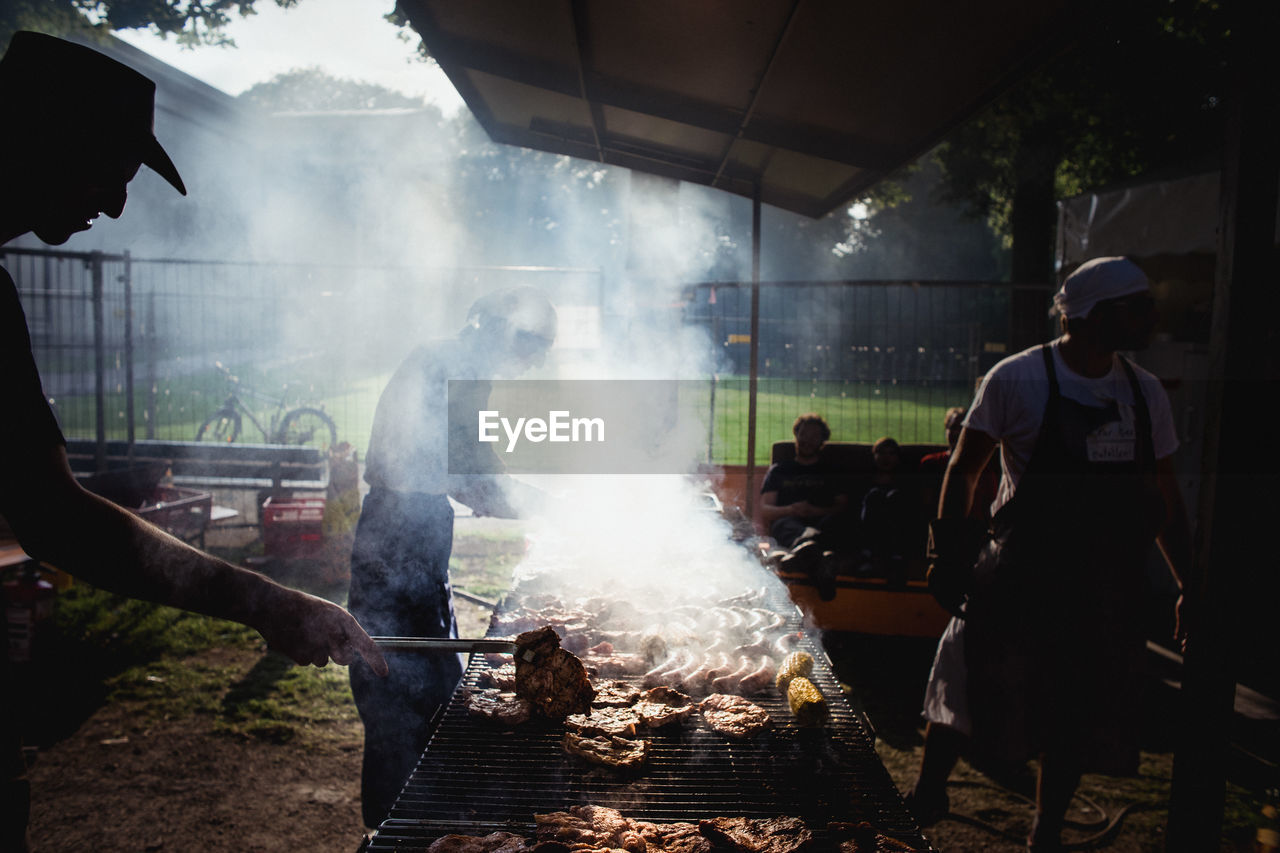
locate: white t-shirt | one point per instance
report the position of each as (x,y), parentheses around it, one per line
(1011,401)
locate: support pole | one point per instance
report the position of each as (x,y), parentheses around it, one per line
(99,362)
(1238,498)
(753,380)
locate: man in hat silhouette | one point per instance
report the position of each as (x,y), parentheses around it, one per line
(78,126)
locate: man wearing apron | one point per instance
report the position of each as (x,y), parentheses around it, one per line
(1045,658)
(400,557)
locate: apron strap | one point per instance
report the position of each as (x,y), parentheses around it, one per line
(1143,413)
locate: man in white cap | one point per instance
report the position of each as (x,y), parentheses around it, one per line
(78,125)
(400,558)
(1044,659)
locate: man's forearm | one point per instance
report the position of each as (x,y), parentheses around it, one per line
(118,552)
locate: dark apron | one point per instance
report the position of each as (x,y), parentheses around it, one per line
(1054,638)
(400,587)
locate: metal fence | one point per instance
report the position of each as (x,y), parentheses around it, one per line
(874,358)
(129,348)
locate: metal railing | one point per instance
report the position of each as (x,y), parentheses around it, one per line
(127,346)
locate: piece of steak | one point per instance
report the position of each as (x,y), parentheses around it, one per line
(503,677)
(590,828)
(494,842)
(734,717)
(615,694)
(864,838)
(498,706)
(673,837)
(550,678)
(617,752)
(614,722)
(758,835)
(660,706)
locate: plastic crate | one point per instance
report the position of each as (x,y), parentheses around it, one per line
(182,512)
(292,527)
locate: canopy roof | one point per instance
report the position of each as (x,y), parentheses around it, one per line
(813,100)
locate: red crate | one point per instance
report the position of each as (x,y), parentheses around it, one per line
(292,527)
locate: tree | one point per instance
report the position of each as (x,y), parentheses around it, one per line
(1138,94)
(306,89)
(192,22)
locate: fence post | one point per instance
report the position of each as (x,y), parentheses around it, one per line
(152,380)
(99,363)
(130,423)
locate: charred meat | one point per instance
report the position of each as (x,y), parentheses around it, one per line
(590,827)
(611,722)
(617,752)
(498,706)
(660,706)
(494,842)
(734,717)
(615,694)
(673,837)
(759,835)
(864,838)
(550,678)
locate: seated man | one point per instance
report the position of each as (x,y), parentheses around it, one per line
(893,523)
(804,500)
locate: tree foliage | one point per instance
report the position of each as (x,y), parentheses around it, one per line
(305,89)
(1138,94)
(191,22)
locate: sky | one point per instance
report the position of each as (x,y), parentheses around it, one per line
(345,38)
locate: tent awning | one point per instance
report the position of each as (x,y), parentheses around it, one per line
(813,101)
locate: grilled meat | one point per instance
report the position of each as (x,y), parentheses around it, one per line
(615,694)
(494,842)
(734,717)
(616,752)
(590,827)
(863,838)
(659,706)
(759,679)
(673,837)
(552,679)
(498,706)
(502,677)
(612,722)
(759,835)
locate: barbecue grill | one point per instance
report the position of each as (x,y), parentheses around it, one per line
(475,777)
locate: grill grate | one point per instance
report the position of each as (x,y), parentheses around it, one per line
(475,777)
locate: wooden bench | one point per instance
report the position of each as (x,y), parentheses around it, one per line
(213,465)
(870,605)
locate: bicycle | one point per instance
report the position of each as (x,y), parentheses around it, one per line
(303,425)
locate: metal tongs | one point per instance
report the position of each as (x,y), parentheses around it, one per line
(444,644)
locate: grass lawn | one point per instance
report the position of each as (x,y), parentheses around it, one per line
(857,411)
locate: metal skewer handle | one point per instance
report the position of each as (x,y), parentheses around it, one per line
(444,644)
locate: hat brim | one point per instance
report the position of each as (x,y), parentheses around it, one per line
(154,156)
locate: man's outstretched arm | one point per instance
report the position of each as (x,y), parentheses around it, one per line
(60,523)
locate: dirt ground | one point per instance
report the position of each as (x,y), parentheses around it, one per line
(124,782)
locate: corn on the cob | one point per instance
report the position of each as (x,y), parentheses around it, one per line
(794,665)
(807,702)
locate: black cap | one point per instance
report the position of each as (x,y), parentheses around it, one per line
(54,86)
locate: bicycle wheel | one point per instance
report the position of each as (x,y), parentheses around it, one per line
(223,425)
(311,427)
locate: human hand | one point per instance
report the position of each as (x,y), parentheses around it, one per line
(804,509)
(953,549)
(310,630)
(1182,618)
(949,585)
